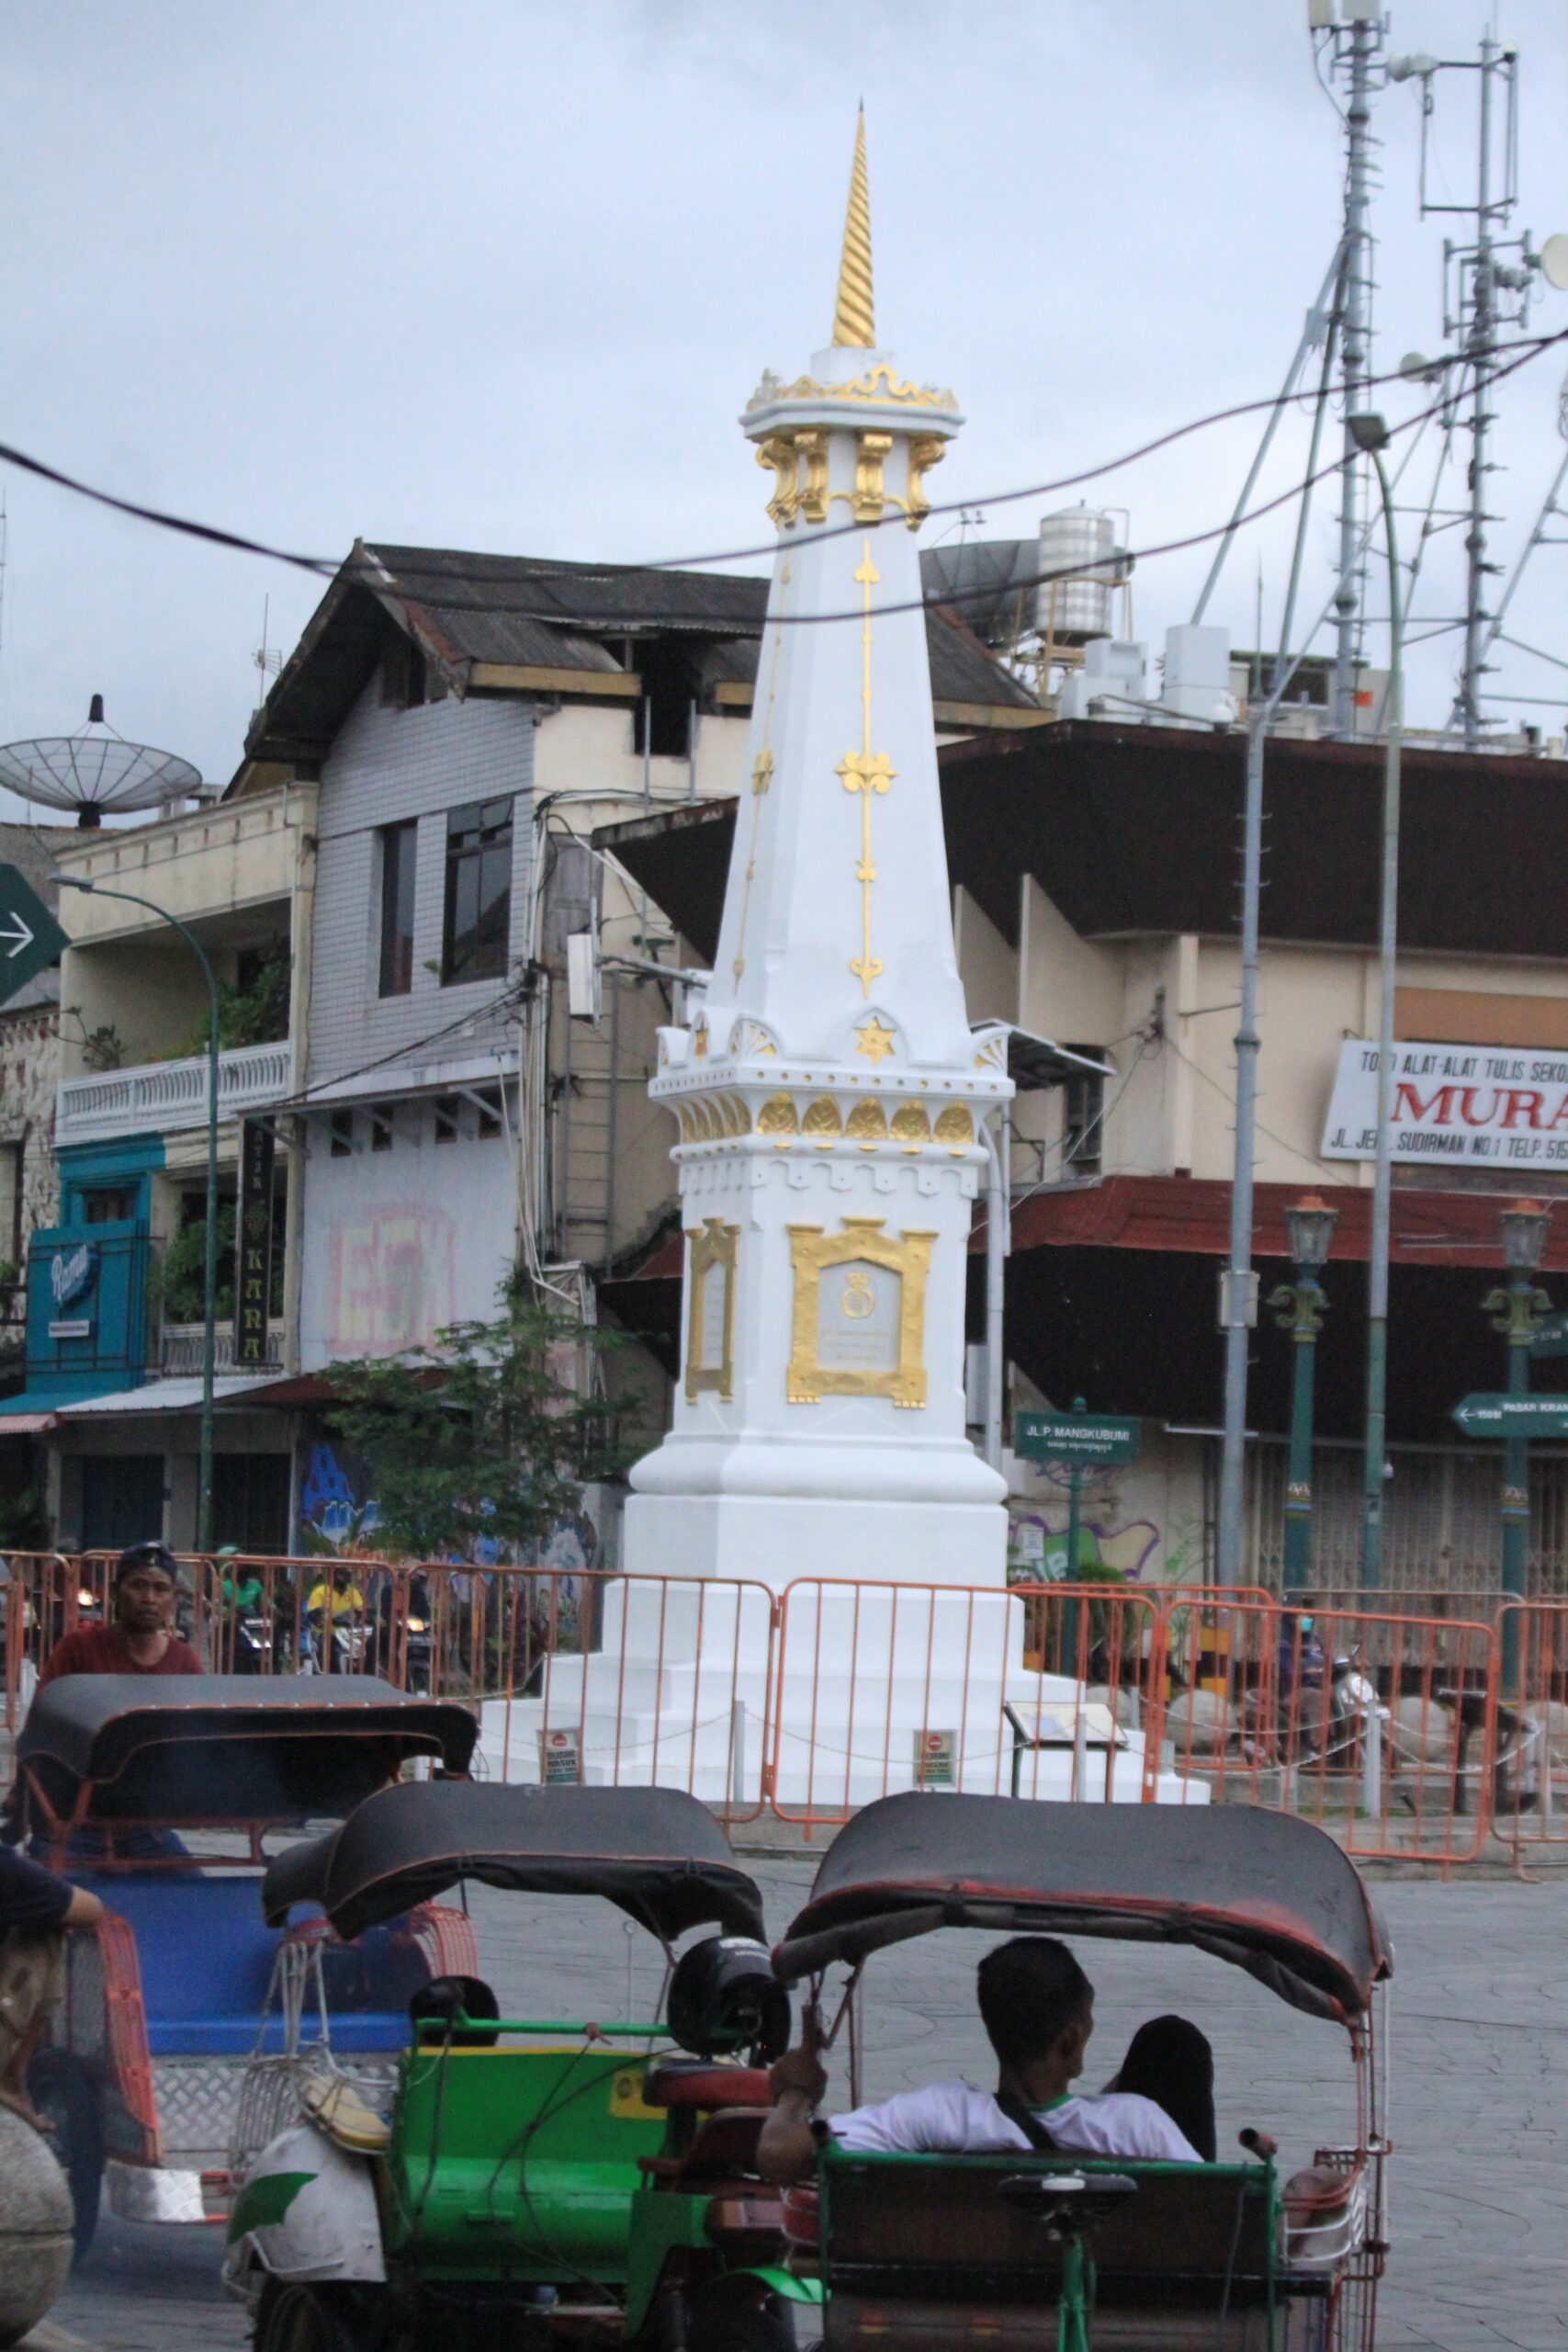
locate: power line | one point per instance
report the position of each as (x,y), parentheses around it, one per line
(328,568)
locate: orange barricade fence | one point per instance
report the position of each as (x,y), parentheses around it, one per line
(624,1682)
(1530,1767)
(882,1687)
(271,1614)
(38,1603)
(1379,1728)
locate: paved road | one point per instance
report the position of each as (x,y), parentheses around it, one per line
(1479,2109)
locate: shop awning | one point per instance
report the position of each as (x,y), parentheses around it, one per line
(182,1395)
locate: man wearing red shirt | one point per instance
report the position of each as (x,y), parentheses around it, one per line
(140,1640)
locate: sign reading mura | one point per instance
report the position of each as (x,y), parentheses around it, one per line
(72,1273)
(1495,1106)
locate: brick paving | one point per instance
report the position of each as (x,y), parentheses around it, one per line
(1479,2109)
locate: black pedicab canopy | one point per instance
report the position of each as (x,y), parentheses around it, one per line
(655,1852)
(226,1748)
(1268,1892)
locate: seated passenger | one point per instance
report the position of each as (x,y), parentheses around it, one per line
(1037,2006)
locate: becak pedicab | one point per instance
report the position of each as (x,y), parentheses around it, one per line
(1033,2251)
(534,2178)
(159,2025)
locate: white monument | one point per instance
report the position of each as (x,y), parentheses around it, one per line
(828,1091)
(831,1096)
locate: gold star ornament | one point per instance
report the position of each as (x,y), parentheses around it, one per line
(875,1042)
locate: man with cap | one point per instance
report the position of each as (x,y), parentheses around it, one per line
(142,1639)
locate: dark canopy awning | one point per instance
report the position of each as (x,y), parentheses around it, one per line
(655,1852)
(1271,1893)
(230,1746)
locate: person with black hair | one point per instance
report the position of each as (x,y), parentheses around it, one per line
(142,1639)
(1037,2006)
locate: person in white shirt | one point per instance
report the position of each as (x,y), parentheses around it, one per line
(1037,2006)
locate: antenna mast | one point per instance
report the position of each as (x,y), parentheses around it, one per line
(1355,45)
(1483,292)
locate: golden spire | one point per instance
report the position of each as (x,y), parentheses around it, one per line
(853,319)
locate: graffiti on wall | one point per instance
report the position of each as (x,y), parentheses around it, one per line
(1037,1551)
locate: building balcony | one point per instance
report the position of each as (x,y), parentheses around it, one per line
(159,1097)
(179,1353)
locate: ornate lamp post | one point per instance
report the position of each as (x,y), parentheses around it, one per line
(1516,1312)
(1298,1309)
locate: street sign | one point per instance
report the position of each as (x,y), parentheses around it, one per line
(1079,1439)
(30,939)
(1552,1335)
(1496,1414)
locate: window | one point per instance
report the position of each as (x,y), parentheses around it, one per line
(110,1205)
(342,1132)
(399,845)
(446,1118)
(402,672)
(478,892)
(1083,1120)
(671,681)
(487,1113)
(381,1127)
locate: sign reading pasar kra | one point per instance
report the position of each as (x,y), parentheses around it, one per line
(1492,1106)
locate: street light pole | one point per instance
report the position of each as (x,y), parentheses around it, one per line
(1298,1309)
(1516,1312)
(1370,433)
(210,1270)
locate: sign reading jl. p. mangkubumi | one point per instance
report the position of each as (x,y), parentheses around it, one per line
(1499,1106)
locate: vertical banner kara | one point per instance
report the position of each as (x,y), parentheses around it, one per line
(253,1242)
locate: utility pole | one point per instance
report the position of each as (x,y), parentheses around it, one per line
(1358,49)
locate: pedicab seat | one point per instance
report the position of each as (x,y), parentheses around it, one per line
(703,2082)
(909,2242)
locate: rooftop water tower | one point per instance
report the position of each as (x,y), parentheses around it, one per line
(1081,565)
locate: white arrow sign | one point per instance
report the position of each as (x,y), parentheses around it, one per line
(19,937)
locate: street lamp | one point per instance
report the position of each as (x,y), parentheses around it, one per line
(209,1270)
(1516,1312)
(1371,434)
(1298,1309)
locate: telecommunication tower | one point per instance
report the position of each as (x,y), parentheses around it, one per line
(1349,42)
(1489,279)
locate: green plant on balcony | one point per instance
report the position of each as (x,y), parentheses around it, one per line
(101,1049)
(178,1281)
(253,1008)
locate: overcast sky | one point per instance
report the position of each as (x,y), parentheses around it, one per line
(500,274)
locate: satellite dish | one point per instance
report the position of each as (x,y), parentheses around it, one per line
(95,770)
(1554,258)
(1416,368)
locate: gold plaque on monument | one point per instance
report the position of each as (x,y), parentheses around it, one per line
(710,1309)
(858,1327)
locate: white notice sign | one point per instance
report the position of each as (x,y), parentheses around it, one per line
(1492,1107)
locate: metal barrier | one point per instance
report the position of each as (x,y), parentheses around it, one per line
(45,1597)
(1379,1728)
(1530,1756)
(630,1680)
(811,1703)
(882,1687)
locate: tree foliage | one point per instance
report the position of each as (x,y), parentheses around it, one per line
(489,1436)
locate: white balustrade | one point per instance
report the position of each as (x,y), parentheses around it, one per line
(162,1096)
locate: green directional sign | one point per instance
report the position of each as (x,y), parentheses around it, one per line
(1078,1439)
(30,939)
(1552,1335)
(1494,1413)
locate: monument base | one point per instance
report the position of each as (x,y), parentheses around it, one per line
(775,1539)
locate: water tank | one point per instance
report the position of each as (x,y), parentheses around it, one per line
(1082,564)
